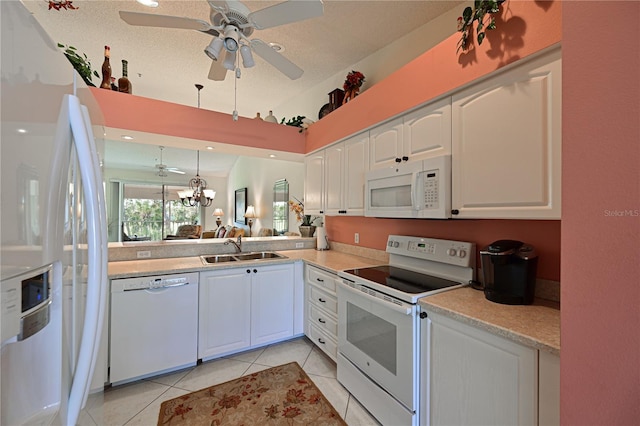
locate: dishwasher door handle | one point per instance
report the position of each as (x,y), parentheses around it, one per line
(157,288)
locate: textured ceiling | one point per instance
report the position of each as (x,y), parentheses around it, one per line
(166,64)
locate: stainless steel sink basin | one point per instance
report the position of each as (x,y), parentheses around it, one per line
(221,258)
(258,255)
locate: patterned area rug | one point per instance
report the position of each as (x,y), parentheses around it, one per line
(282,395)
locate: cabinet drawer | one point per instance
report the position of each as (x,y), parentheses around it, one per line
(324,321)
(324,342)
(321,278)
(323,299)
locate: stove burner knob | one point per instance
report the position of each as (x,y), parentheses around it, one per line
(452,252)
(462,253)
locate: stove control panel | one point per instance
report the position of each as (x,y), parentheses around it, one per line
(459,253)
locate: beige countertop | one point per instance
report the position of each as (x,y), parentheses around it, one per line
(536,325)
(329,259)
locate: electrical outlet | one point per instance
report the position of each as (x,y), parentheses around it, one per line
(143,254)
(299,245)
(356,238)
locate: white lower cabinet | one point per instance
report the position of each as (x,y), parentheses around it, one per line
(472,377)
(245,307)
(549,386)
(321,310)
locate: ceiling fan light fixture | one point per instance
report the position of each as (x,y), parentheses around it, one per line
(229,61)
(214,48)
(247,57)
(231,38)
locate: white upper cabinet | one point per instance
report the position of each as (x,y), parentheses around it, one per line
(427,131)
(314,183)
(506,134)
(345,166)
(385,144)
(421,134)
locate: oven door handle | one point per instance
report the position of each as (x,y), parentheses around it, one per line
(389,305)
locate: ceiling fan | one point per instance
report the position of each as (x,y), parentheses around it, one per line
(163,168)
(231,25)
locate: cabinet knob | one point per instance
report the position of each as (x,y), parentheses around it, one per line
(255,271)
(423,315)
(455,211)
(398,160)
(248,271)
(405,158)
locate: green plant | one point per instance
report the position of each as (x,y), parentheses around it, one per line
(80,63)
(481,12)
(295,122)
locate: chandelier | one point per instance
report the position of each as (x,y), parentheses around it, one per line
(199,194)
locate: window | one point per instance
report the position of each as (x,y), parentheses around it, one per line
(152,211)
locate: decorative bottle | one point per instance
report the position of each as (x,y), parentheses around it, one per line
(270,118)
(106,70)
(124,85)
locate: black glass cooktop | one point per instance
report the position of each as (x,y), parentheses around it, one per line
(402,279)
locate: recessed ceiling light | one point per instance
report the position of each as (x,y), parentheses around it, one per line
(277,47)
(272,155)
(21,130)
(209,147)
(127,137)
(148,3)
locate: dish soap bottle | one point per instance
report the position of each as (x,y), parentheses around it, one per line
(106,69)
(124,85)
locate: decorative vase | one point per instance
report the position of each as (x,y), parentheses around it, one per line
(271,118)
(307,231)
(106,69)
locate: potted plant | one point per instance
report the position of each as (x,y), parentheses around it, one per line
(80,63)
(481,12)
(307,229)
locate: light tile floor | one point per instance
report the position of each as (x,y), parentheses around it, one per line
(138,403)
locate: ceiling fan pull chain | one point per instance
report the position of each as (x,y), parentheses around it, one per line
(235,92)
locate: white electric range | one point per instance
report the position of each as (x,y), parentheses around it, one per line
(379,321)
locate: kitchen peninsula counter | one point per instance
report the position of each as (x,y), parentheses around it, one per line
(536,325)
(330,260)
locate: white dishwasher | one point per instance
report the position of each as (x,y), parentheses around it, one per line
(154,325)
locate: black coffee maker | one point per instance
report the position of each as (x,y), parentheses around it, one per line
(509,271)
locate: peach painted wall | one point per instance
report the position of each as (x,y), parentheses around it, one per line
(124,111)
(525,28)
(600,322)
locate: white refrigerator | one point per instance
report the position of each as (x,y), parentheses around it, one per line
(53,234)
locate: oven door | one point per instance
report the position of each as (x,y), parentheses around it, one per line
(380,338)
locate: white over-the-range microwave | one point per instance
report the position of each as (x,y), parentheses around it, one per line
(418,189)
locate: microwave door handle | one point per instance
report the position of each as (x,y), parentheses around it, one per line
(415,203)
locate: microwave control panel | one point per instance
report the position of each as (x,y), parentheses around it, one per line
(431,189)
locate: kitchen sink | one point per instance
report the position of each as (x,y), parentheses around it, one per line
(221,258)
(258,255)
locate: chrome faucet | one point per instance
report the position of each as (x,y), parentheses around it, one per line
(238,244)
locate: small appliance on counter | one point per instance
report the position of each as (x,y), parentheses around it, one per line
(509,270)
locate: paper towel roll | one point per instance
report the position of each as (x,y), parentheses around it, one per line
(321,239)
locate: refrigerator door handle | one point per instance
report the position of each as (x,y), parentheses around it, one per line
(96,238)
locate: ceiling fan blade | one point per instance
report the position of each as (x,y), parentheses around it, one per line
(219,5)
(267,53)
(164,21)
(285,13)
(174,170)
(217,72)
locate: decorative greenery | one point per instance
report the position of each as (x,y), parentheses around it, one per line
(80,63)
(298,208)
(295,122)
(482,13)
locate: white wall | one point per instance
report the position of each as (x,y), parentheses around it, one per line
(258,175)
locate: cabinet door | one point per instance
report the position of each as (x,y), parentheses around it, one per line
(356,165)
(427,131)
(333,167)
(385,144)
(313,183)
(224,314)
(475,377)
(272,295)
(549,393)
(507,144)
